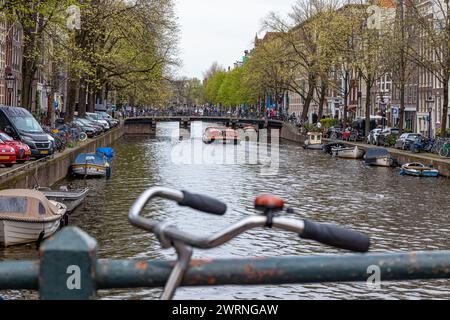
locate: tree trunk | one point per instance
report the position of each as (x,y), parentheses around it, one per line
(367,118)
(401,124)
(27,88)
(323,93)
(70,108)
(346,93)
(82,99)
(91,100)
(309,97)
(29,66)
(444,123)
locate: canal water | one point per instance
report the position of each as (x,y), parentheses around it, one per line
(400,213)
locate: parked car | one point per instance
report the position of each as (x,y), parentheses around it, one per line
(387,137)
(96,118)
(7,155)
(86,127)
(92,124)
(105,116)
(406,139)
(22,126)
(23,151)
(372,138)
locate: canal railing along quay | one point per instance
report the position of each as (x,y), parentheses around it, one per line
(69,269)
(150,121)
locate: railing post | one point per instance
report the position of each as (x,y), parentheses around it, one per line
(68,266)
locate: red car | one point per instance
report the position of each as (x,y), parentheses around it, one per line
(7,155)
(21,150)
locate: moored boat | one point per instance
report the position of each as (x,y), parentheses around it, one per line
(71,198)
(314,141)
(27,216)
(221,135)
(379,157)
(328,148)
(91,164)
(348,153)
(418,169)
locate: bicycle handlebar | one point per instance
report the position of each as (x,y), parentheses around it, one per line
(307,229)
(203,203)
(336,236)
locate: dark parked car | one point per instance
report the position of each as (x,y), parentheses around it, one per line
(22,126)
(406,139)
(98,129)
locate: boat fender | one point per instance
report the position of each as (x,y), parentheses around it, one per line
(39,240)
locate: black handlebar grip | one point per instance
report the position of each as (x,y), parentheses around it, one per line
(336,236)
(203,203)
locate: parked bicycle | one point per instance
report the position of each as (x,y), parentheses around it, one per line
(445,150)
(270,206)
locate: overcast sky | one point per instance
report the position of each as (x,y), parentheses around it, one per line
(220,30)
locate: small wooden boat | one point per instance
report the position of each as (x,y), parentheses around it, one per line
(348,153)
(314,141)
(28,216)
(418,169)
(71,198)
(379,157)
(328,148)
(91,165)
(221,135)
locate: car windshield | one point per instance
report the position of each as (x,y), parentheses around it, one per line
(27,124)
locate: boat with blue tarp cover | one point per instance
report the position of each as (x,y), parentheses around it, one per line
(91,165)
(379,157)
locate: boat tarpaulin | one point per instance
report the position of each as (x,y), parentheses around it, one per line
(90,158)
(108,152)
(376,153)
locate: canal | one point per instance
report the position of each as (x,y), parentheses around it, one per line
(400,213)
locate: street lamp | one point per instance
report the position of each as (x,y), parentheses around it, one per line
(10,80)
(430,102)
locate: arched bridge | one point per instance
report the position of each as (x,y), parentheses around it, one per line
(147,125)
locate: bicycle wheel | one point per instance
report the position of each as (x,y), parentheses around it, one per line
(83,137)
(445,151)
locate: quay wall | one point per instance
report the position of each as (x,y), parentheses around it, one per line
(291,133)
(48,172)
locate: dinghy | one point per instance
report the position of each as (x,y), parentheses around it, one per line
(418,169)
(348,153)
(71,198)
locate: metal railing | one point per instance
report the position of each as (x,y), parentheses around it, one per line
(70,269)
